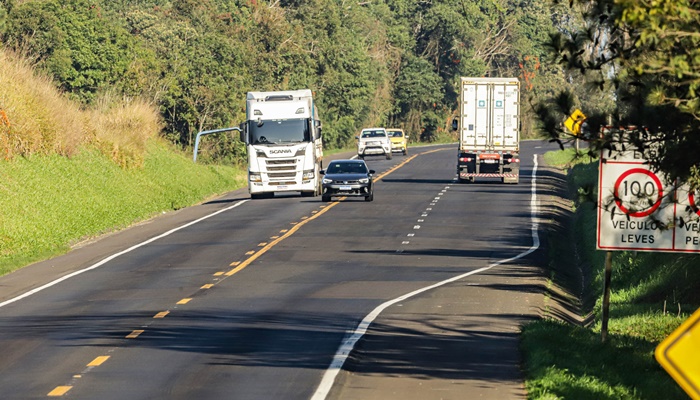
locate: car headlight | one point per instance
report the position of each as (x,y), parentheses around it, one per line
(327,181)
(254,177)
(364,180)
(308,174)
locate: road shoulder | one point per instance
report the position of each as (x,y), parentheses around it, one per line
(446,344)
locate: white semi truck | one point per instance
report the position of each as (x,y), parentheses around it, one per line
(489,129)
(282,134)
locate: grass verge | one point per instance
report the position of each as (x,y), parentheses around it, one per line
(652,293)
(50,202)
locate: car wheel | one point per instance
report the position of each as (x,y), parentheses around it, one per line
(369,197)
(325,198)
(405,152)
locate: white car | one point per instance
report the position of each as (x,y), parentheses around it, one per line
(373,141)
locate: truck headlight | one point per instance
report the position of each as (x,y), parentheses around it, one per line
(254,177)
(308,174)
(327,181)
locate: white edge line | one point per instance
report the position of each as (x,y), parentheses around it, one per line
(348,343)
(113,256)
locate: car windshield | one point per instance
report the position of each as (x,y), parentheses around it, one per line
(346,168)
(395,134)
(373,134)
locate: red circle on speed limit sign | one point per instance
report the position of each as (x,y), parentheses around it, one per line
(634,194)
(693,205)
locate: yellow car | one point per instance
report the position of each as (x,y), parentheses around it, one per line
(399,140)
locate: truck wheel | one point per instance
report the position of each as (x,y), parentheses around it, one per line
(308,194)
(388,156)
(256,196)
(325,198)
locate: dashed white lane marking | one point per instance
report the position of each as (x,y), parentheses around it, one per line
(113,256)
(348,344)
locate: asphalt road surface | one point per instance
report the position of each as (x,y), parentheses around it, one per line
(251,299)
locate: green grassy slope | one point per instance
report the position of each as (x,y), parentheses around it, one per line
(48,203)
(652,294)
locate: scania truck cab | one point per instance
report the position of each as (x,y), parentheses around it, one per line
(282,134)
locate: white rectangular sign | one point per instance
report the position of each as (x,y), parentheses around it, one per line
(640,210)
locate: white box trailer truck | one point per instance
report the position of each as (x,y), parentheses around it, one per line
(282,134)
(489,129)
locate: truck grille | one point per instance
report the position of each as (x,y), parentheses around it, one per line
(279,175)
(283,183)
(292,162)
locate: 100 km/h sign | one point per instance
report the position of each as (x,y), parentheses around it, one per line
(640,210)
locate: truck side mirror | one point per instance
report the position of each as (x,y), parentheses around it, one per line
(455,124)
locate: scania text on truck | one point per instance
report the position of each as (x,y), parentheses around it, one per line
(489,129)
(282,134)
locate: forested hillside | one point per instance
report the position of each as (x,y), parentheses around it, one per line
(389,62)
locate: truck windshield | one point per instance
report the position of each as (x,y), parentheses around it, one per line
(276,131)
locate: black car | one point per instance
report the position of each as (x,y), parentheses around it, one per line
(347,178)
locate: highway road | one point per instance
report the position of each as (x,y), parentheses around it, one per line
(251,299)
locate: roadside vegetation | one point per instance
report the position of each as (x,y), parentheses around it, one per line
(393,63)
(652,294)
(68,174)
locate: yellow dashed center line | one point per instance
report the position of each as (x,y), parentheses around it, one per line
(62,390)
(59,391)
(134,334)
(98,361)
(287,233)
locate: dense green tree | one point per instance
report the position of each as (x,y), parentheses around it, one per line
(75,42)
(645,54)
(391,62)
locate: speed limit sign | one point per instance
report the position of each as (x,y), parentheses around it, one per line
(638,209)
(638,192)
